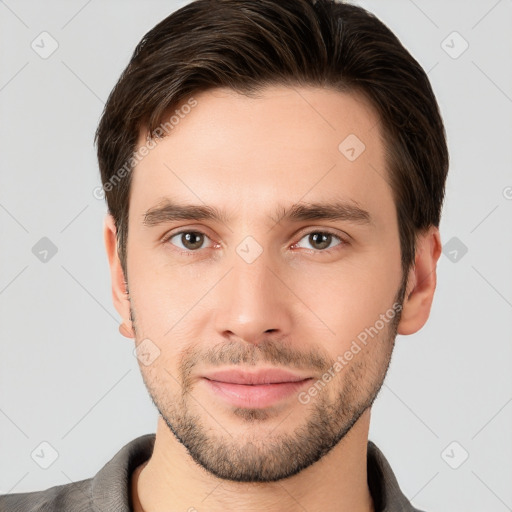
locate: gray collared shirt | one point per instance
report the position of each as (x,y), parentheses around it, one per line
(109,490)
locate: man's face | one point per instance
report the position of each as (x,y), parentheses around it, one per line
(259,289)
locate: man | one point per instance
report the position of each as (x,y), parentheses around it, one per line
(274,172)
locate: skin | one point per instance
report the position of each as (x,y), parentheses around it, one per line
(299,305)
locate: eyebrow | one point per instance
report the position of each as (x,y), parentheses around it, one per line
(168,211)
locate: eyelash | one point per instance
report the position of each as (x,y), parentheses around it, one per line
(343,241)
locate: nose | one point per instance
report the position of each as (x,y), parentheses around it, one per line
(253,301)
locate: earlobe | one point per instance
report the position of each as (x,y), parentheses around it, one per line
(126,331)
(421,283)
(119,292)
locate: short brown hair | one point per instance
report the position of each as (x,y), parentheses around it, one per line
(246,45)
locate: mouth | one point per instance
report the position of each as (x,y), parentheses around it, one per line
(258,377)
(256,389)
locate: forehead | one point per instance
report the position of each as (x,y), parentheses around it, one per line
(287,144)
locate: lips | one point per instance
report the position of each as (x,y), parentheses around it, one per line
(258,377)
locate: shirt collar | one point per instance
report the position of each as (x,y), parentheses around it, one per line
(386,493)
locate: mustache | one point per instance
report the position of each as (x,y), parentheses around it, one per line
(250,354)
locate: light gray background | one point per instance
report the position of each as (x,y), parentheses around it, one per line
(70,379)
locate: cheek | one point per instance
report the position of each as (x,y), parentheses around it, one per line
(160,362)
(165,303)
(161,379)
(164,296)
(346,299)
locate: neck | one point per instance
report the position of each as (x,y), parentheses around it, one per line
(172,481)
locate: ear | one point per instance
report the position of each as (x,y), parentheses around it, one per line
(119,293)
(421,283)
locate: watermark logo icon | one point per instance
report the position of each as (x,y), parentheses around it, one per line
(351,147)
(44,455)
(146,352)
(454,249)
(45,45)
(249,249)
(454,45)
(44,250)
(455,455)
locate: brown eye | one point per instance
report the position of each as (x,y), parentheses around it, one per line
(320,240)
(188,240)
